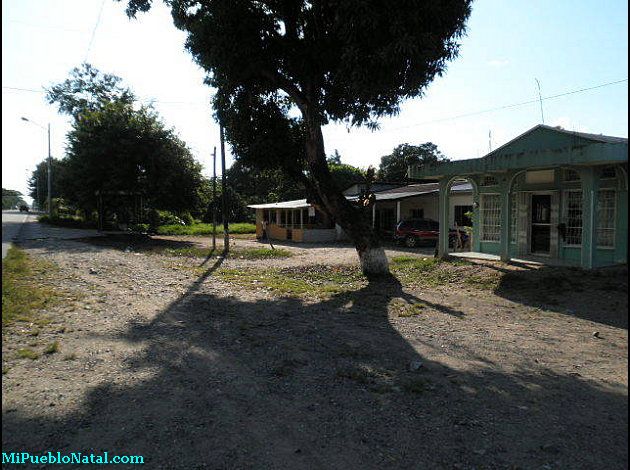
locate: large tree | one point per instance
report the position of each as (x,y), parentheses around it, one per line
(37,183)
(117,145)
(394,166)
(350,61)
(11,199)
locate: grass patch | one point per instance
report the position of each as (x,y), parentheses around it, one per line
(317,281)
(28,353)
(261,253)
(52,348)
(430,272)
(204,229)
(242,253)
(412,310)
(433,272)
(24,290)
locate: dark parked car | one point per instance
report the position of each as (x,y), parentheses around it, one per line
(23,208)
(414,232)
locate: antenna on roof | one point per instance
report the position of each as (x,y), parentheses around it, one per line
(542,116)
(489,141)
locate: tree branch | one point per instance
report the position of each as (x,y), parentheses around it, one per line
(289,88)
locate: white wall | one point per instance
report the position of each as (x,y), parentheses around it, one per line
(430,204)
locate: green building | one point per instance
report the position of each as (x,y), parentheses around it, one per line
(550,195)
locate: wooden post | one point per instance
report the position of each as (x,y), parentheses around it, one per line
(226,235)
(214,199)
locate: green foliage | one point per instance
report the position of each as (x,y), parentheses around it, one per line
(204,229)
(334,159)
(140,228)
(11,199)
(299,65)
(318,53)
(166,218)
(394,166)
(117,147)
(38,182)
(28,353)
(241,253)
(88,89)
(52,348)
(346,175)
(187,218)
(67,221)
(24,294)
(317,281)
(257,185)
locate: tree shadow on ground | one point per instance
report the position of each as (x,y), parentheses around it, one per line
(260,382)
(599,295)
(137,243)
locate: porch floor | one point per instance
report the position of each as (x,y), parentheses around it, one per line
(533,260)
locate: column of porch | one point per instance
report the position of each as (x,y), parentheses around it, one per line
(590,188)
(443,217)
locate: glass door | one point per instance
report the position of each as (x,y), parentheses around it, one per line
(541,223)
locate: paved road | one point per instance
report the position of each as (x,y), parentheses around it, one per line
(12,222)
(19,226)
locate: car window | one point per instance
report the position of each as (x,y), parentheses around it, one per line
(434,225)
(419,225)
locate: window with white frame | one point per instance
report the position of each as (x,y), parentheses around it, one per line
(490,218)
(572,213)
(606,208)
(513,219)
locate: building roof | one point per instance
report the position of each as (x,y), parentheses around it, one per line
(296,204)
(604,139)
(394,194)
(540,147)
(414,190)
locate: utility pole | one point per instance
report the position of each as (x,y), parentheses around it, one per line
(226,236)
(214,199)
(49,176)
(48,164)
(36,188)
(542,116)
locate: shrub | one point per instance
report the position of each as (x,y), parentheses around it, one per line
(156,218)
(139,228)
(188,219)
(66,221)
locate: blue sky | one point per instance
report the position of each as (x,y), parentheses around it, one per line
(566,45)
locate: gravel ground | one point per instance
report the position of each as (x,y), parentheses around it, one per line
(193,372)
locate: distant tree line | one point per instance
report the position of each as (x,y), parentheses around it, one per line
(11,199)
(117,145)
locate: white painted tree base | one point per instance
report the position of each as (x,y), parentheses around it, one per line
(374,262)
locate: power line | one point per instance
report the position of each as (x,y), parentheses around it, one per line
(458,116)
(13,88)
(98,20)
(508,106)
(143,100)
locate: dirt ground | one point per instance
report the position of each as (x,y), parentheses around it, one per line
(163,357)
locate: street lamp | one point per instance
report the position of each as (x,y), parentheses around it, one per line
(49,166)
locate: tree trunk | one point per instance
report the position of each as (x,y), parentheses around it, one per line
(355,221)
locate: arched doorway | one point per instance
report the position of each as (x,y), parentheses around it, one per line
(459,200)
